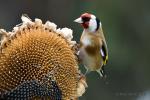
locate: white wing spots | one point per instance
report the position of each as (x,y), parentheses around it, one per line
(102,53)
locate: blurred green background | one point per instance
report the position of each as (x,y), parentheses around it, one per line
(126,25)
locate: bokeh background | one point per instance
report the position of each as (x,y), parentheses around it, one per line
(126,25)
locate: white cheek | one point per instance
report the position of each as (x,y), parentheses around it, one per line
(92,25)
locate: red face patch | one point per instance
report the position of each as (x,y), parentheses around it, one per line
(86,15)
(85,18)
(85,24)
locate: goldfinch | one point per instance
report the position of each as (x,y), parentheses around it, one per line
(93,51)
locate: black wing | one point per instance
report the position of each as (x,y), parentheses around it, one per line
(104,54)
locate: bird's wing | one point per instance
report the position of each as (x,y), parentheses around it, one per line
(104,52)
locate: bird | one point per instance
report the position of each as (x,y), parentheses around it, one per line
(93,51)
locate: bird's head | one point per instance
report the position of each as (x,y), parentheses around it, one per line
(89,22)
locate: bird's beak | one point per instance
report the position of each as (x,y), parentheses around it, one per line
(78,20)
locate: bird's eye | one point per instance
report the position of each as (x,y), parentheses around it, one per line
(85,19)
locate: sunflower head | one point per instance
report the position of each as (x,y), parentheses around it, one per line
(38,61)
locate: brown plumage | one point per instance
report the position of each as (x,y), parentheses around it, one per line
(95,43)
(38,63)
(93,51)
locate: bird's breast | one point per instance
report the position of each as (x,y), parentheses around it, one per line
(86,40)
(90,44)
